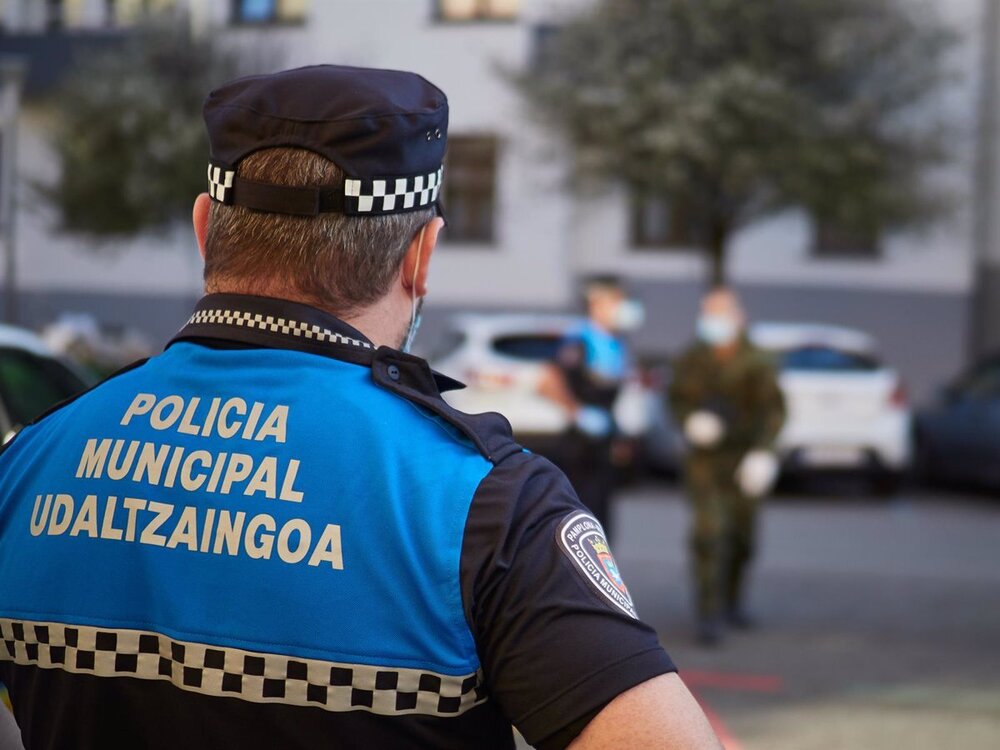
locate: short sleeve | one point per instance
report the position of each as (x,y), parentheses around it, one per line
(554,624)
(571,355)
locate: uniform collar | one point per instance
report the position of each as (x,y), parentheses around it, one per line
(268,321)
(271,323)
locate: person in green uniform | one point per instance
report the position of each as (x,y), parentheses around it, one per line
(726,398)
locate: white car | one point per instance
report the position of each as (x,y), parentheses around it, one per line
(501,358)
(846,410)
(32,379)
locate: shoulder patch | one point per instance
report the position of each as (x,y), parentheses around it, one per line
(581,538)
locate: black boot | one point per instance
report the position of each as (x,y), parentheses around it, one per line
(709,631)
(737,617)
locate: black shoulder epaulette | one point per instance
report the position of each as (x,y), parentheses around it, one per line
(412,378)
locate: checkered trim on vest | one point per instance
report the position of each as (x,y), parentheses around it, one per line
(376,196)
(230,672)
(274,325)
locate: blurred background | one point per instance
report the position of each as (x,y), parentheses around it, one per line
(836,161)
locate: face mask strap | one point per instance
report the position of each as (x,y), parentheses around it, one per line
(411,331)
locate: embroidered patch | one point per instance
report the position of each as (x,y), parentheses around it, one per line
(582,539)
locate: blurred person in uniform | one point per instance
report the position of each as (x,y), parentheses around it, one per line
(276,533)
(725,396)
(586,379)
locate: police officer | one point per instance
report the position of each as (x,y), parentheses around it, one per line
(276,533)
(726,396)
(585,379)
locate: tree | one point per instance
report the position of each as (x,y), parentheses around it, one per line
(747,107)
(128,131)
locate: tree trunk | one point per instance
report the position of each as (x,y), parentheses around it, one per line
(718,241)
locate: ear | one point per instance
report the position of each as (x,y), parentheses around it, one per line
(418,257)
(199,217)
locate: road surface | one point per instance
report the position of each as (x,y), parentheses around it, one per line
(880,620)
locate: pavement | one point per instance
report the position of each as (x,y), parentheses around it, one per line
(880,619)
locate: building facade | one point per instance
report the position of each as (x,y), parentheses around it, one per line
(519,237)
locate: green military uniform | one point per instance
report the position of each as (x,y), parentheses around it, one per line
(743,392)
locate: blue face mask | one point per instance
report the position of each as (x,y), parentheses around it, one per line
(717,330)
(630,315)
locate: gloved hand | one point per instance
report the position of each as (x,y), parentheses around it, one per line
(757,473)
(704,429)
(593,421)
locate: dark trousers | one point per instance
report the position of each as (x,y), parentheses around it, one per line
(587,463)
(723,532)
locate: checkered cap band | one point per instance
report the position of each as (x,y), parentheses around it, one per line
(230,672)
(274,325)
(391,194)
(220,183)
(361,197)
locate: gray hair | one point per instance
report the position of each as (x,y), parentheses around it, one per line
(337,262)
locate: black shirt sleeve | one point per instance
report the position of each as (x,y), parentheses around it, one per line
(554,648)
(571,359)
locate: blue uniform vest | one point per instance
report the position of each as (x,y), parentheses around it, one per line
(237,519)
(605,354)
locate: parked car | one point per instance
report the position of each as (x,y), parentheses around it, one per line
(31,379)
(958,435)
(663,443)
(846,409)
(96,350)
(501,358)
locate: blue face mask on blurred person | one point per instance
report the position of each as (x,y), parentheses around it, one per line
(717,330)
(630,315)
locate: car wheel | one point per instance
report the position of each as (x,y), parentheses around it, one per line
(887,483)
(922,469)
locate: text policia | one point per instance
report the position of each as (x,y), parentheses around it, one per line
(198,528)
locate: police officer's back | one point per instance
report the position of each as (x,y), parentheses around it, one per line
(276,533)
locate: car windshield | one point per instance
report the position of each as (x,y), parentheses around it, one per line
(444,346)
(537,347)
(30,384)
(818,358)
(984,381)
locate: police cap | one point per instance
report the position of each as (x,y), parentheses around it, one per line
(385,129)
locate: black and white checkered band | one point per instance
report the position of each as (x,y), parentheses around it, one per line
(230,672)
(220,183)
(359,197)
(391,194)
(274,324)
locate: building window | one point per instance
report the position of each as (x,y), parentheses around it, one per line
(478,10)
(254,12)
(53,15)
(544,47)
(660,222)
(470,175)
(832,240)
(130,12)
